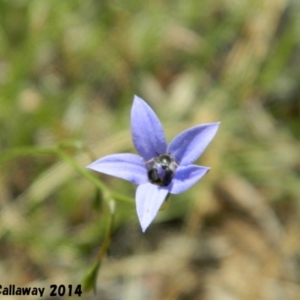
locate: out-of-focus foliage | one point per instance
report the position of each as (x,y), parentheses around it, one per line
(68,73)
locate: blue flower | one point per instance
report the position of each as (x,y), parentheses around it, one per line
(159,168)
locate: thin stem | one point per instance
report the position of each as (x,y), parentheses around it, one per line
(81,170)
(87,174)
(57,151)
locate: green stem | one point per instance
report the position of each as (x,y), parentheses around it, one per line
(87,174)
(82,170)
(57,151)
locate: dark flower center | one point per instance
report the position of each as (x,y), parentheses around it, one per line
(161,169)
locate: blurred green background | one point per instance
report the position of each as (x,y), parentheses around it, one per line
(68,73)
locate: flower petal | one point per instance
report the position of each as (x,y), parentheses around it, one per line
(127,166)
(189,145)
(147,133)
(149,199)
(186,176)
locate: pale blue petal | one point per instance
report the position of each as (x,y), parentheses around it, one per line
(189,145)
(127,166)
(149,199)
(185,177)
(147,133)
